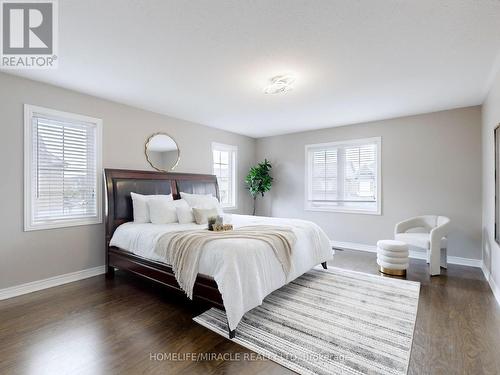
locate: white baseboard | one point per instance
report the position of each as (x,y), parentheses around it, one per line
(494,287)
(332,243)
(353,246)
(465,261)
(34,286)
(413,254)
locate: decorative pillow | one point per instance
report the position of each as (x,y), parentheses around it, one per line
(164,212)
(202,201)
(140,206)
(201,215)
(185,215)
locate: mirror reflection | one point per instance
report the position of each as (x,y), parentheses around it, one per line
(162,152)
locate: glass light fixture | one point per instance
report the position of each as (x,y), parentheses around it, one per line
(280,84)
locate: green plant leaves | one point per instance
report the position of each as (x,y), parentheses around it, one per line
(259,180)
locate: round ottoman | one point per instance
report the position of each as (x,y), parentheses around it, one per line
(392,257)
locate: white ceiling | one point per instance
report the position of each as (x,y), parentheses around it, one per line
(208,61)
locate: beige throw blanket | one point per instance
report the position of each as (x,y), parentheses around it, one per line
(182,249)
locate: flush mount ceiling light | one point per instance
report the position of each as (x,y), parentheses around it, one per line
(280,84)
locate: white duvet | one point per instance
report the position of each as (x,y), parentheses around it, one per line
(245,271)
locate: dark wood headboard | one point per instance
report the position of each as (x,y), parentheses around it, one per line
(119,183)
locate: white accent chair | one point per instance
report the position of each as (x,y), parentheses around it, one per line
(426,232)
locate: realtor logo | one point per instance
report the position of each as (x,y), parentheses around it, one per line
(29,34)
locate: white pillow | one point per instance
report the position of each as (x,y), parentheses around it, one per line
(185,215)
(164,212)
(202,201)
(201,215)
(140,206)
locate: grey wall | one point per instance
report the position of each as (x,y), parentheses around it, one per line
(431,164)
(491,118)
(30,256)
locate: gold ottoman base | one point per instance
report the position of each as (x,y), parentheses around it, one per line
(388,271)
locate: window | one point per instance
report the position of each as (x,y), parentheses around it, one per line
(224,167)
(344,176)
(62,169)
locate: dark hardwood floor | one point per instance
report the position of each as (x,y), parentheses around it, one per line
(98,326)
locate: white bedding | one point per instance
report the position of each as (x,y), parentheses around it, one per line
(245,271)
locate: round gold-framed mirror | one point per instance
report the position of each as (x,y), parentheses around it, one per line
(162,152)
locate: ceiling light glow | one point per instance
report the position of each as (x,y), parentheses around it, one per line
(280,84)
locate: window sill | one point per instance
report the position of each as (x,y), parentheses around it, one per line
(28,227)
(229,208)
(344,210)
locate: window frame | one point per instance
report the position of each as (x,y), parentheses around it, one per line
(234,171)
(344,143)
(29,224)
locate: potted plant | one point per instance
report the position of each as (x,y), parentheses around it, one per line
(259,180)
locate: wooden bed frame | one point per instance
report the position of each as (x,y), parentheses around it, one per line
(119,183)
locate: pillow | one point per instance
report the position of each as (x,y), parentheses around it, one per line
(202,201)
(185,215)
(162,211)
(201,215)
(140,206)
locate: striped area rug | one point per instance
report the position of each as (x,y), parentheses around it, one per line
(331,322)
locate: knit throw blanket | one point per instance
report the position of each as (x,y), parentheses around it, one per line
(182,249)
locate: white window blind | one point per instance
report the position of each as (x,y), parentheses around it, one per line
(224,167)
(343,176)
(63,168)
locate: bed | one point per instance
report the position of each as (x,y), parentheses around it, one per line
(235,277)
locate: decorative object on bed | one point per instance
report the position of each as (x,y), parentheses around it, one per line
(259,180)
(428,233)
(215,221)
(218,227)
(162,152)
(222,227)
(211,222)
(392,257)
(331,322)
